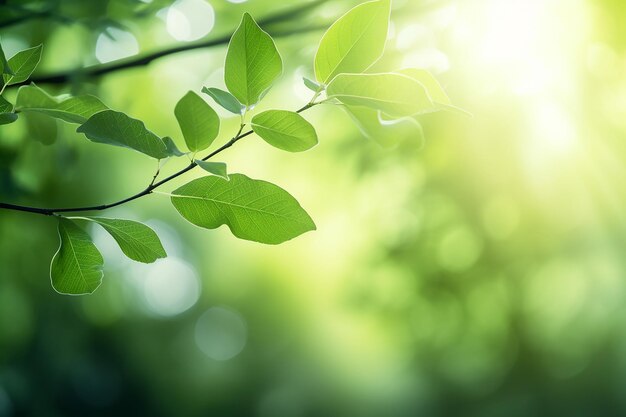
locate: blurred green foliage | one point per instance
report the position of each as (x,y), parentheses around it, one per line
(475,272)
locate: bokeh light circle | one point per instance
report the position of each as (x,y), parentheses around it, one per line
(221,333)
(114,43)
(171,287)
(189,20)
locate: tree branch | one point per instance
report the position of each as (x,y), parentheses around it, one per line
(148,190)
(99,70)
(23,14)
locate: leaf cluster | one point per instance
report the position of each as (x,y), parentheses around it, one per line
(252,209)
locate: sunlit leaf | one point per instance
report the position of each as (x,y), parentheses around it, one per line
(139,242)
(225,99)
(118,129)
(387,133)
(6,112)
(72,109)
(215,168)
(394,94)
(252,62)
(76,267)
(354,42)
(198,121)
(22,65)
(434,89)
(430,83)
(253,209)
(285,130)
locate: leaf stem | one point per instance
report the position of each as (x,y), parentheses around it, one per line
(162,193)
(157,173)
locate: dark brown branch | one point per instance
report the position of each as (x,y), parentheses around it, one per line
(148,190)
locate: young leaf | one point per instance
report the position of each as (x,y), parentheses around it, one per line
(198,121)
(394,94)
(118,129)
(225,99)
(215,168)
(22,65)
(434,89)
(354,42)
(430,83)
(76,267)
(311,85)
(252,209)
(6,112)
(386,133)
(78,109)
(252,62)
(285,130)
(172,149)
(139,242)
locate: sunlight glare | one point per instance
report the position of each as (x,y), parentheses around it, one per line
(221,333)
(189,20)
(553,128)
(114,44)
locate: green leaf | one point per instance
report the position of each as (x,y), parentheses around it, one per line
(172,149)
(394,94)
(354,42)
(252,209)
(5,106)
(252,62)
(78,109)
(118,129)
(285,130)
(215,168)
(6,118)
(384,132)
(139,242)
(429,82)
(198,121)
(4,65)
(312,85)
(225,99)
(434,89)
(76,267)
(6,112)
(23,64)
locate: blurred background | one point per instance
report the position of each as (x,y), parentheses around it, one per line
(475,271)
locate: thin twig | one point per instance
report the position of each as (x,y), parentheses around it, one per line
(148,190)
